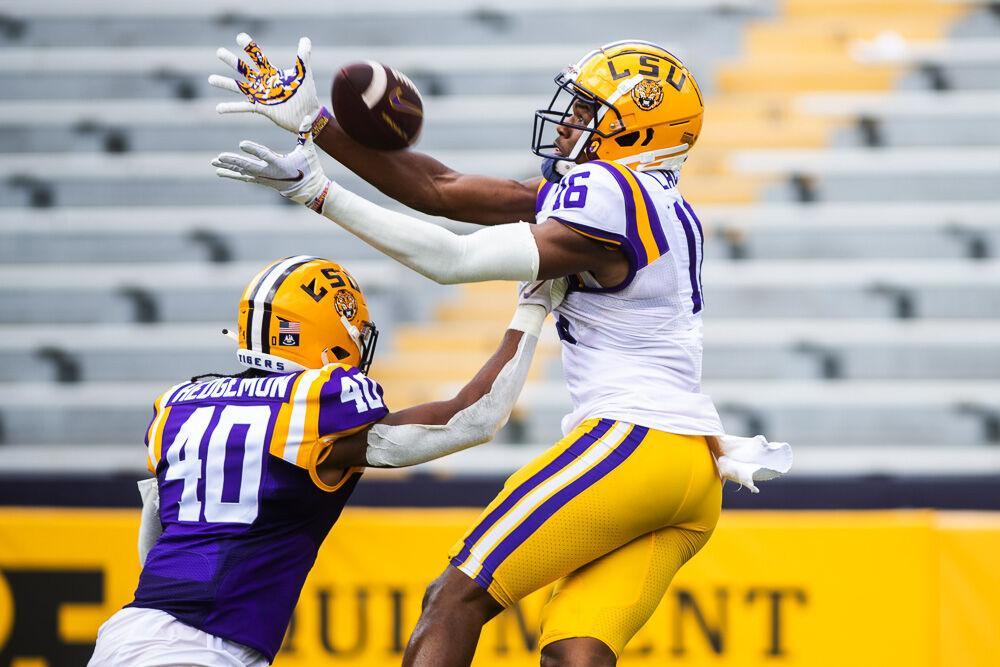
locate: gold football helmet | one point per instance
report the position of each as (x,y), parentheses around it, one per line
(304,312)
(645,107)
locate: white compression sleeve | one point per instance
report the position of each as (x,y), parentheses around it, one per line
(149,525)
(410,444)
(504,252)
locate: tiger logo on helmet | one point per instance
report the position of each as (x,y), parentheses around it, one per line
(304,312)
(648,94)
(644,104)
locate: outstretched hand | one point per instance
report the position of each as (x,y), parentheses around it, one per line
(545,293)
(297,175)
(284,96)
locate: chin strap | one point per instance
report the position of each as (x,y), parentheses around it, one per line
(553,170)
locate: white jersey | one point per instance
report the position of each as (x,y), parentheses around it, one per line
(632,352)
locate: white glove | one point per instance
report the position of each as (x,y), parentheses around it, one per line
(545,293)
(284,96)
(535,300)
(746,460)
(297,175)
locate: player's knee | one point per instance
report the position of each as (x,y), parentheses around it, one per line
(454,592)
(432,593)
(578,652)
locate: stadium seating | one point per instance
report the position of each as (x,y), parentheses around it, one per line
(846,176)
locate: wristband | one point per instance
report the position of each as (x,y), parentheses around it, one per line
(317,203)
(529,318)
(319,123)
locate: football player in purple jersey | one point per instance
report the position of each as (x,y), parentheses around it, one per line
(252,470)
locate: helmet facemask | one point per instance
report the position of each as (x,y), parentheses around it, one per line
(560,113)
(366,339)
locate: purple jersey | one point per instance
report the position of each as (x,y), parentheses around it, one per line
(243,509)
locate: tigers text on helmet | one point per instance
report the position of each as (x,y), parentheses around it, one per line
(304,312)
(645,104)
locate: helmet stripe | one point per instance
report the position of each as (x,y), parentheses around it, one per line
(265,334)
(260,299)
(248,296)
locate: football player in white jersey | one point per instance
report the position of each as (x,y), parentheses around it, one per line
(615,508)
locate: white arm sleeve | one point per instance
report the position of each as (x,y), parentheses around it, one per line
(410,444)
(149,525)
(504,252)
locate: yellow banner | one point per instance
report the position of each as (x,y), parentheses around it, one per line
(919,588)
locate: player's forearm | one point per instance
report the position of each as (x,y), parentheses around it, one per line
(473,416)
(440,412)
(424,184)
(504,252)
(406,176)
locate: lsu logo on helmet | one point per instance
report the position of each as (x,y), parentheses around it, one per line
(642,105)
(304,312)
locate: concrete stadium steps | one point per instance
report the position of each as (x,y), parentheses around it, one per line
(382,23)
(451,124)
(755,76)
(787,349)
(495,459)
(836,31)
(160,236)
(855,174)
(428,356)
(970,77)
(185,178)
(786,231)
(809,413)
(823,289)
(733,122)
(938,9)
(172,292)
(803,412)
(903,345)
(172,71)
(914,119)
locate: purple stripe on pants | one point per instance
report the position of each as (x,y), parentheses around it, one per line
(559,500)
(571,453)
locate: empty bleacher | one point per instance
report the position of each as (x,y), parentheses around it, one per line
(848,178)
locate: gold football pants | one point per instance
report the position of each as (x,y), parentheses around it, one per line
(609,513)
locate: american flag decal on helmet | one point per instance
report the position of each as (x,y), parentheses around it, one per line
(288,333)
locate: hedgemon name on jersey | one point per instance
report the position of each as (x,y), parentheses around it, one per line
(277,387)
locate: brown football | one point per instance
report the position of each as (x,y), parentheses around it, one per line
(377,106)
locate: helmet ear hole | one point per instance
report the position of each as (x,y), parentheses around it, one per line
(340,352)
(627,140)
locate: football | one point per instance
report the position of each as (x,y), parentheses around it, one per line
(377,106)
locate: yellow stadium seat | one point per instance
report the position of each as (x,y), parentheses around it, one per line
(940,9)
